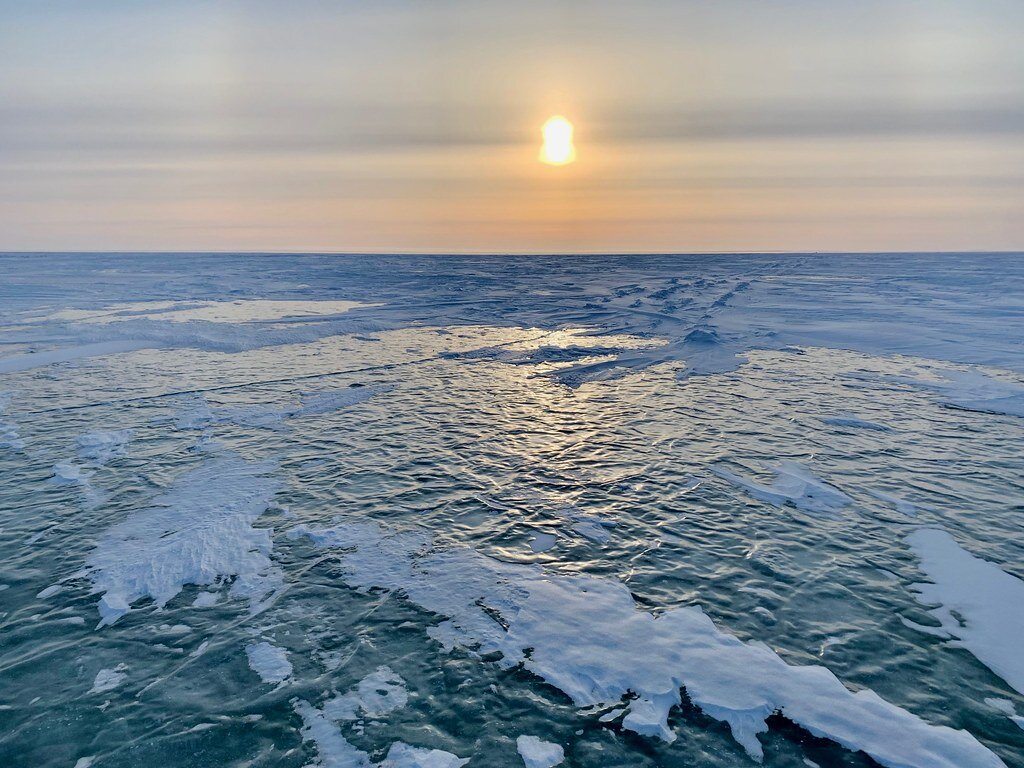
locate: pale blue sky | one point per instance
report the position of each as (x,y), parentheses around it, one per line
(412,126)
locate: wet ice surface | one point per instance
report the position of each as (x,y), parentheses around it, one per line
(407,511)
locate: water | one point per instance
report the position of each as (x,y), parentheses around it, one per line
(485,451)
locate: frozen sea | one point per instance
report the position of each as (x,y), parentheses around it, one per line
(436,511)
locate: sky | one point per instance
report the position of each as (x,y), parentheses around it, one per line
(700,125)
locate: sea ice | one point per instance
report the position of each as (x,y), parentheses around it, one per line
(67,473)
(377,694)
(109,679)
(586,637)
(269,661)
(539,754)
(335,750)
(198,531)
(9,435)
(976,602)
(793,485)
(103,447)
(902,505)
(402,755)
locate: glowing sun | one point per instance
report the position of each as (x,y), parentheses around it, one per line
(558,148)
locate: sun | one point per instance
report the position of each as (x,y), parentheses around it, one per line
(558,148)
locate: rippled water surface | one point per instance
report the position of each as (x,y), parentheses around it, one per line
(501,402)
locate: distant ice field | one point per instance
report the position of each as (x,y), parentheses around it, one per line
(442,511)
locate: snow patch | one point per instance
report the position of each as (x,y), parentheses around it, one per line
(402,755)
(109,679)
(539,754)
(197,532)
(377,694)
(976,602)
(586,636)
(269,662)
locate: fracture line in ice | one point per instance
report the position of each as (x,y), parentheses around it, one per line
(794,485)
(198,532)
(989,601)
(586,637)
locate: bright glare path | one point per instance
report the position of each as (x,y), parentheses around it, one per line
(558,148)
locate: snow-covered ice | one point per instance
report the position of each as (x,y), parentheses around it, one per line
(104,447)
(376,695)
(269,661)
(977,603)
(109,679)
(587,637)
(537,753)
(200,530)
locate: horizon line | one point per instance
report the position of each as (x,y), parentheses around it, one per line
(506,254)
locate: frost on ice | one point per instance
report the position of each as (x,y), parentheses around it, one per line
(586,637)
(793,485)
(988,600)
(197,532)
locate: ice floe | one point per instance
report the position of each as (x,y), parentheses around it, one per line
(335,751)
(104,447)
(198,532)
(269,661)
(377,694)
(537,753)
(795,485)
(977,604)
(109,679)
(9,435)
(402,755)
(587,637)
(902,505)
